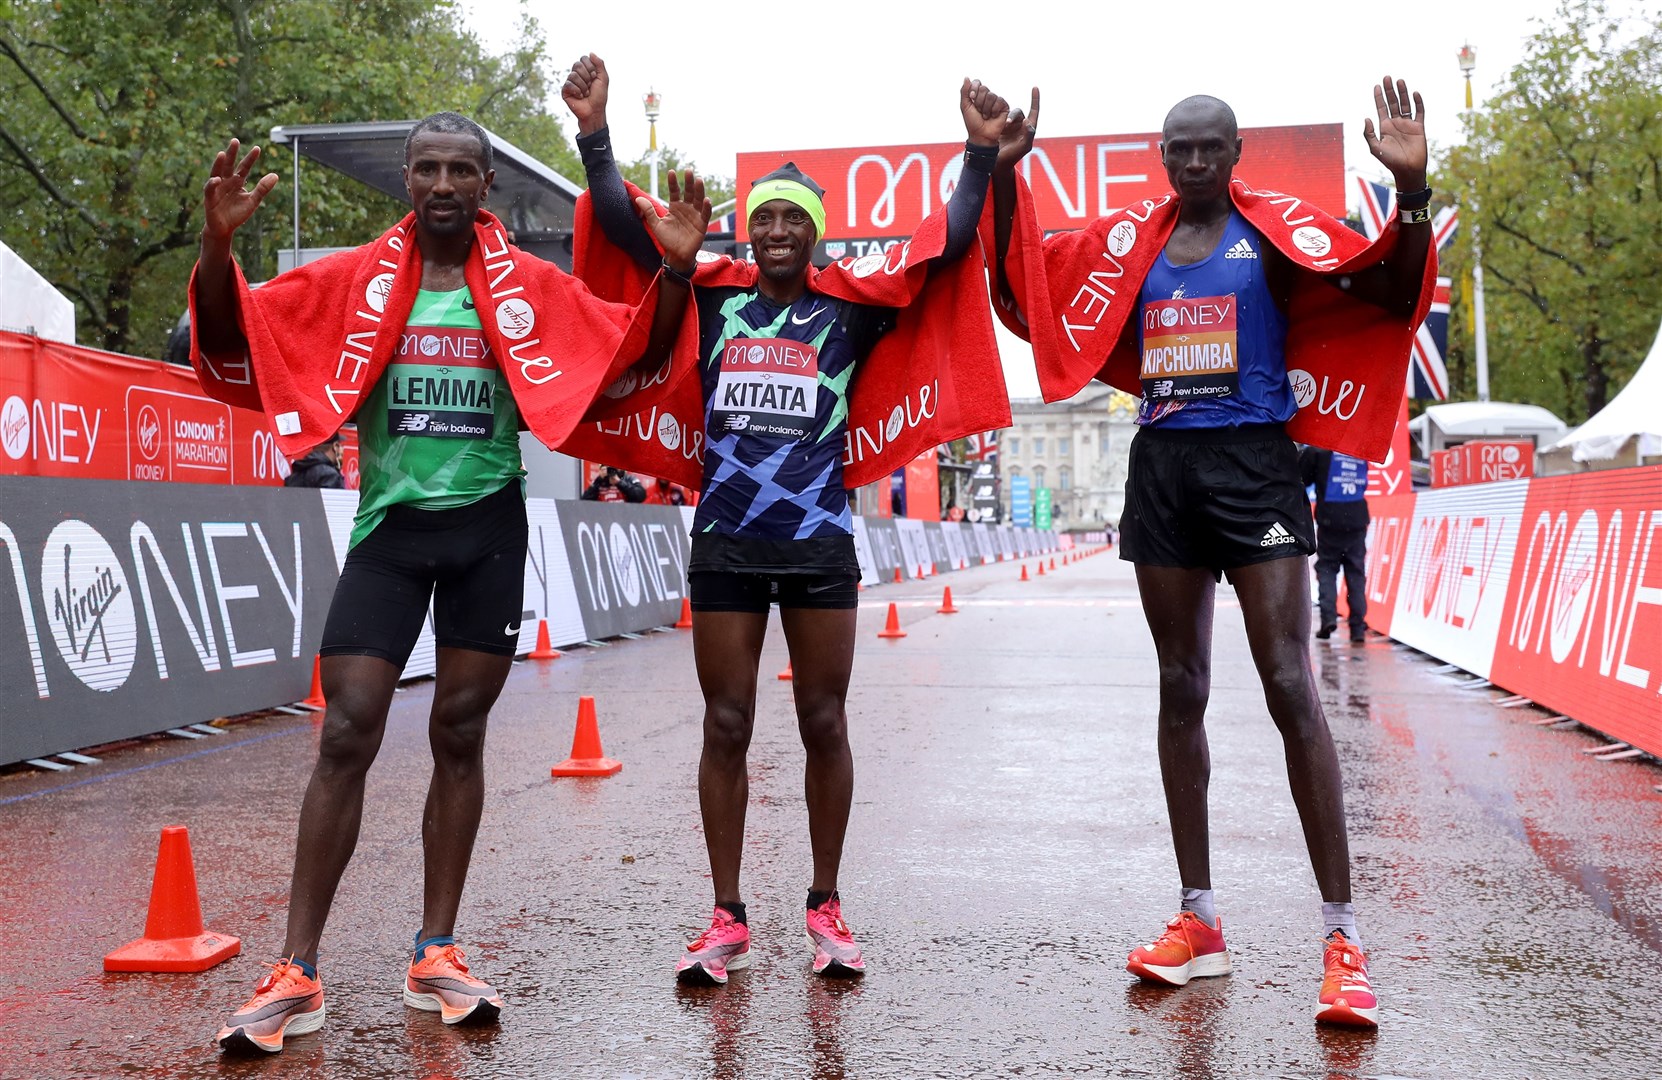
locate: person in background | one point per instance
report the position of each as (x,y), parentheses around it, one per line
(320,468)
(663,493)
(615,485)
(1341,483)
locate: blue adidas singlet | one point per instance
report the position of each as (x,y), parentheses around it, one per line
(776,390)
(1212,340)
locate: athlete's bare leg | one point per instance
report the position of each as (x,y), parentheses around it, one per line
(822,655)
(727,647)
(1275,601)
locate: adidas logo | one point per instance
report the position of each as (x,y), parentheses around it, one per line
(1241,250)
(1276,534)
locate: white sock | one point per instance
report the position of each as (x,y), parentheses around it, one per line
(1200,902)
(1340,917)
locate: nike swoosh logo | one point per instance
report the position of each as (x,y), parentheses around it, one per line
(816,313)
(821,588)
(467,303)
(510,630)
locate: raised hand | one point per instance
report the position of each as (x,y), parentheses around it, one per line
(1017,137)
(586,89)
(227,202)
(1400,144)
(984,112)
(680,232)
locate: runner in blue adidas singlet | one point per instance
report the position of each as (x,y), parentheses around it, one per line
(1213,488)
(773,524)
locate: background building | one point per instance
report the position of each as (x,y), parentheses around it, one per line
(1077,448)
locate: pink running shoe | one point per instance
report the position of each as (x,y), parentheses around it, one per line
(1188,949)
(835,953)
(440,982)
(723,947)
(1347,995)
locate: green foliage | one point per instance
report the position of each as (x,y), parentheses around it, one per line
(115,110)
(1566,169)
(718,189)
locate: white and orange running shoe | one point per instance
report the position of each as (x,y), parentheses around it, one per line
(835,953)
(1347,996)
(1187,949)
(286,1002)
(440,982)
(724,946)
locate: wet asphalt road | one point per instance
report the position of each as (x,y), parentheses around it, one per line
(1008,847)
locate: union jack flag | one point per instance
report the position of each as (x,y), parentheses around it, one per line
(723,223)
(982,447)
(1427,370)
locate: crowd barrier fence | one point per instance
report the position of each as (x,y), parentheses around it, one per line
(129,608)
(1549,587)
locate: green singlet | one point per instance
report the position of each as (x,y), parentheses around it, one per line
(440,430)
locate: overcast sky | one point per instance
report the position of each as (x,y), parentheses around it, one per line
(868,73)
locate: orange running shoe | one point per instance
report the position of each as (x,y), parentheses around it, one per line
(1189,949)
(1347,996)
(286,1002)
(439,982)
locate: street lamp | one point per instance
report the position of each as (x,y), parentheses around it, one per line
(654,103)
(1467,58)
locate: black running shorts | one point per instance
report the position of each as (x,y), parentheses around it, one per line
(469,562)
(1214,499)
(731,590)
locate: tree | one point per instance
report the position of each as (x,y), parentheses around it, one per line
(111,122)
(719,189)
(1566,169)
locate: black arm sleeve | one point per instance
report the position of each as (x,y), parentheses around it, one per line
(613,208)
(963,211)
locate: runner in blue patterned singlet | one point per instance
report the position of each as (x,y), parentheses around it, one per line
(773,523)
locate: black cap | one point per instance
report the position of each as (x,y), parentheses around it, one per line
(789,171)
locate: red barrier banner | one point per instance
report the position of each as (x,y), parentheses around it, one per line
(874,193)
(1583,626)
(1483,461)
(68,411)
(1550,588)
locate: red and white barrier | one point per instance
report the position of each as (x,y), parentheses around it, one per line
(1550,588)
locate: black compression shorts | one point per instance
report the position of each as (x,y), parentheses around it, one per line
(469,562)
(1214,498)
(728,590)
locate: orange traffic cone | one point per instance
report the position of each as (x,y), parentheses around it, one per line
(173,936)
(544,650)
(1053,562)
(892,629)
(1024,571)
(314,700)
(931,569)
(946,607)
(587,758)
(685,621)
(785,676)
(1041,568)
(897,575)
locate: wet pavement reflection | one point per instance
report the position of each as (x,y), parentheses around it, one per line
(1008,847)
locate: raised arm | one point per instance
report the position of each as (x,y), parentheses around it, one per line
(680,233)
(1015,139)
(983,113)
(1401,147)
(227,204)
(586,90)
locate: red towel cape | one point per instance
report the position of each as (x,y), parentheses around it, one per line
(934,377)
(1347,359)
(320,336)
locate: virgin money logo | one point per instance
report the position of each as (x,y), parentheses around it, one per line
(897,420)
(1312,241)
(1304,386)
(669,431)
(624,571)
(88,605)
(514,318)
(377,291)
(149,432)
(1121,238)
(14,427)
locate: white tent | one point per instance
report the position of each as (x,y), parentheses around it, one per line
(29,304)
(1455,422)
(1635,413)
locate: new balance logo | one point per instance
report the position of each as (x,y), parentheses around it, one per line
(1277,535)
(1241,250)
(414,422)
